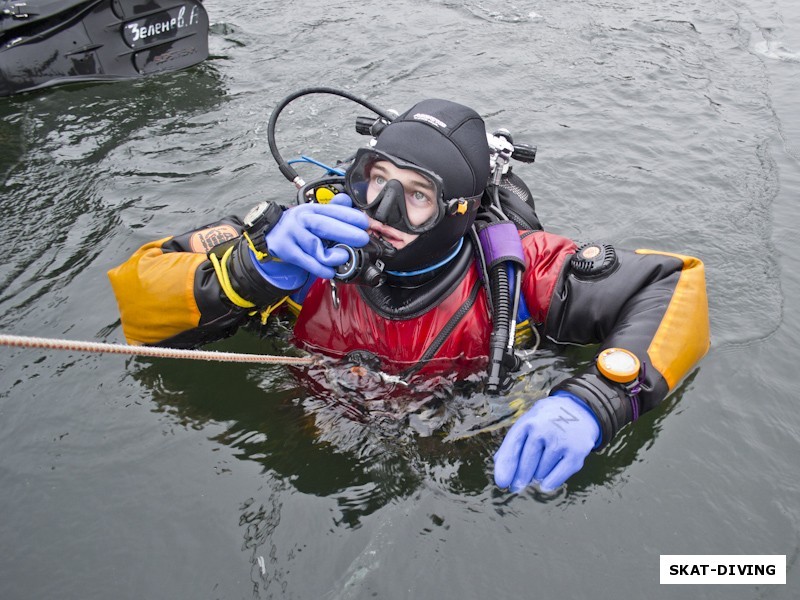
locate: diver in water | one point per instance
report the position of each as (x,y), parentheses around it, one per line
(415,195)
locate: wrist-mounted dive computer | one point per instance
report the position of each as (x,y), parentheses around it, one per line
(257,223)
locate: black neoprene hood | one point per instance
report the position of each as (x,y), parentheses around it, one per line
(450,140)
(446,138)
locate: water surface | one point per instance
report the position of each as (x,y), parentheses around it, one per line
(664,125)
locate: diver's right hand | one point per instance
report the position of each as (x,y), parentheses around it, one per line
(299,239)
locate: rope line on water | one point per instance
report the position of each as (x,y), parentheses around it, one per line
(22,341)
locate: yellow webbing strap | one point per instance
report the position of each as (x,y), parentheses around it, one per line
(268,311)
(261,256)
(221,268)
(523,333)
(293,306)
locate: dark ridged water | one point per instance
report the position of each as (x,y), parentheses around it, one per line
(669,125)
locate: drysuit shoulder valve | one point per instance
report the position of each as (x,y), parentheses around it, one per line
(594,260)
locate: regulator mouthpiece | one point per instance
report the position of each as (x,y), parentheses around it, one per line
(365,265)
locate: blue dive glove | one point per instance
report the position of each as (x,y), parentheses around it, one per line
(547,444)
(299,241)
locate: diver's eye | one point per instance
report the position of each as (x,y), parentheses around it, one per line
(379,180)
(420,198)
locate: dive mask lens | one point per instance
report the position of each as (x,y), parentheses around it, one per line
(413,205)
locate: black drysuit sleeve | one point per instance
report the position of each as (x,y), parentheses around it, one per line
(652,304)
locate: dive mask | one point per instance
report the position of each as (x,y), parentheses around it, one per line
(414,208)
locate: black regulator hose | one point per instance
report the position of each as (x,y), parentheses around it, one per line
(284,166)
(499,360)
(504,309)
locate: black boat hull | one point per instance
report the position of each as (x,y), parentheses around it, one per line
(97,40)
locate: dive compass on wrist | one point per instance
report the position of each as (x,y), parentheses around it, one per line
(619,365)
(257,224)
(624,368)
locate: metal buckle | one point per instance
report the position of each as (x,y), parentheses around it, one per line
(16,11)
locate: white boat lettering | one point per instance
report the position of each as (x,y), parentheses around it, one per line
(139,31)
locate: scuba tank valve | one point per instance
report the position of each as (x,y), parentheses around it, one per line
(502,148)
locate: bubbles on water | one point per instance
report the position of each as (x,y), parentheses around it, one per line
(497,12)
(775,50)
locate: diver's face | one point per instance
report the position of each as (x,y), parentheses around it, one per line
(420,194)
(419,197)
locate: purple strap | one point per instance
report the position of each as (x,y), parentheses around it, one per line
(501,243)
(633,393)
(635,406)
